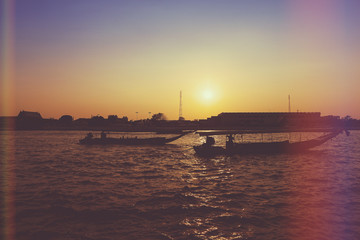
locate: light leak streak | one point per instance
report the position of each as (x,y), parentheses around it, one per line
(7,140)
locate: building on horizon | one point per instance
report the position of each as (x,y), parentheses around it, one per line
(29,115)
(251,120)
(29,120)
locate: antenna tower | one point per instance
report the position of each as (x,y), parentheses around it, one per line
(180,107)
(289,104)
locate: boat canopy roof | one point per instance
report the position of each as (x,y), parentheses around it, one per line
(233,132)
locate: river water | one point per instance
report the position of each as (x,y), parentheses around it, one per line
(63,190)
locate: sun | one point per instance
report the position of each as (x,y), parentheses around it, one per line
(208,95)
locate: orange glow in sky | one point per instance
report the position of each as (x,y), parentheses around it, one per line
(122,57)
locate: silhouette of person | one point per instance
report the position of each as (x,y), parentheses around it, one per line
(230,141)
(210,141)
(103,135)
(89,135)
(230,138)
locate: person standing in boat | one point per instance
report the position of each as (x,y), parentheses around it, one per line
(230,141)
(103,135)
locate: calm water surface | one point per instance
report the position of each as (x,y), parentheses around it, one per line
(68,191)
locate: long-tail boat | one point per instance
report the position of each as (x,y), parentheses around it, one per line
(208,148)
(104,140)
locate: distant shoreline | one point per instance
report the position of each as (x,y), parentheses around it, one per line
(179,130)
(254,121)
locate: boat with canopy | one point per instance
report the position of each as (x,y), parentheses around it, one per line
(273,147)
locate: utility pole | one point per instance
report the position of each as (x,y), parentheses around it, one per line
(180,107)
(137,116)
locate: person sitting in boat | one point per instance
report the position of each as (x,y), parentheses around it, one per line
(103,135)
(209,141)
(89,135)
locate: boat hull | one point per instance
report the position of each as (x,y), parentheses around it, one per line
(129,141)
(244,148)
(120,141)
(207,151)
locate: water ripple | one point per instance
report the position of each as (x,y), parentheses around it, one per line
(68,191)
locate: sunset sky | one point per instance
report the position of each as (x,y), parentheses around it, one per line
(89,57)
